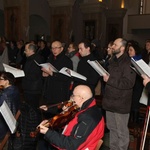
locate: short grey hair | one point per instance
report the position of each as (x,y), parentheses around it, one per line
(32,47)
(123,42)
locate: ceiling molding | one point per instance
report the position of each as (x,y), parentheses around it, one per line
(91,7)
(115,13)
(60,3)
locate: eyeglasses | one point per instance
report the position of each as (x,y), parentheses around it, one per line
(53,48)
(75,95)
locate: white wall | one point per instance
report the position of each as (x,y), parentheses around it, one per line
(139,35)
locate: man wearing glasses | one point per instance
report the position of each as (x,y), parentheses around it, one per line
(10,94)
(56,85)
(85,130)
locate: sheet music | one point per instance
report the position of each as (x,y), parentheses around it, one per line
(68,72)
(141,67)
(98,68)
(46,66)
(8,116)
(16,72)
(144,97)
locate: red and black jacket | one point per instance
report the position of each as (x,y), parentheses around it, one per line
(83,132)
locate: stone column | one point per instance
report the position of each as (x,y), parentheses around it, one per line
(105,18)
(93,19)
(16,19)
(60,20)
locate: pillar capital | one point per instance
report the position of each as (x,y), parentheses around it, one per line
(60,3)
(115,13)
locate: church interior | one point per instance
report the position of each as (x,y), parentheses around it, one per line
(74,20)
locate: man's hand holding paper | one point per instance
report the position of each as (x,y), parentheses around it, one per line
(146,79)
(105,77)
(47,71)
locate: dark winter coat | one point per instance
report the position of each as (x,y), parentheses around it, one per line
(33,80)
(12,97)
(56,87)
(83,132)
(86,70)
(118,90)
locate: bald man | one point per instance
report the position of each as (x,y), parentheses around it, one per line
(84,130)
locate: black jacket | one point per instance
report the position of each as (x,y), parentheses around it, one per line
(56,87)
(86,70)
(12,98)
(82,132)
(33,80)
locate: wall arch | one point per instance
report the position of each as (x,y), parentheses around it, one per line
(38,27)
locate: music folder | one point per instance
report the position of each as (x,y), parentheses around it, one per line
(98,67)
(16,72)
(65,71)
(140,67)
(8,117)
(68,72)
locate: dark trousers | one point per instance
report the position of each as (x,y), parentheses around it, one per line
(44,145)
(32,99)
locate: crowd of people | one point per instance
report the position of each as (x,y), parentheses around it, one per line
(43,89)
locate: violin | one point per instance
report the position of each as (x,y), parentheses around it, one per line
(59,105)
(61,119)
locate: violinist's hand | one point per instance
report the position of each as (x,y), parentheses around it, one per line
(43,107)
(42,126)
(67,105)
(65,108)
(47,72)
(146,79)
(106,77)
